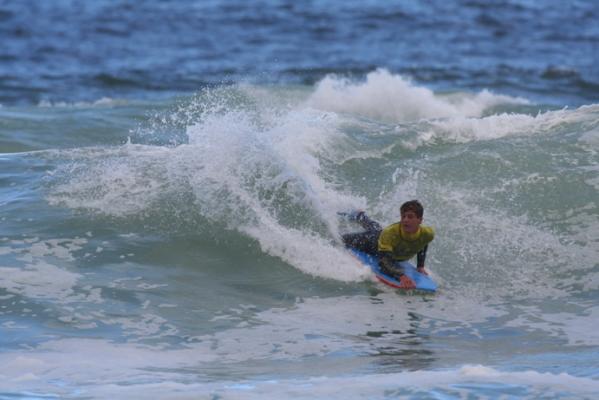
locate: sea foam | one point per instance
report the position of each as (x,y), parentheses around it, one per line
(393,98)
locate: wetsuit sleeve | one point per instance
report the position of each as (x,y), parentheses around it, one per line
(421,257)
(387,264)
(369,224)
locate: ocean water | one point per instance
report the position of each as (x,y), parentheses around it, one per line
(170,174)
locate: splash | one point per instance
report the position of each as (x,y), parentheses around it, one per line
(262,176)
(253,170)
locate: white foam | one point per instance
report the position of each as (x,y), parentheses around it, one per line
(335,335)
(119,181)
(462,129)
(457,118)
(310,253)
(101,369)
(591,138)
(393,98)
(39,280)
(102,102)
(406,384)
(74,303)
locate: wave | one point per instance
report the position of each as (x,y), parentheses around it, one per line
(395,99)
(467,129)
(102,102)
(268,165)
(261,181)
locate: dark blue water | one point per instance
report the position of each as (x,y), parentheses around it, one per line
(82,51)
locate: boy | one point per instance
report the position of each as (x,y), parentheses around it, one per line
(397,242)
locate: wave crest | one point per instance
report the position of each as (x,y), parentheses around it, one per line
(392,98)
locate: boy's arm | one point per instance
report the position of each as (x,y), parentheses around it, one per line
(420,258)
(387,265)
(421,255)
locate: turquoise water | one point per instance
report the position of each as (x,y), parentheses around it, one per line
(179,238)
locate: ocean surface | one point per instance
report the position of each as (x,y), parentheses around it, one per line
(171,172)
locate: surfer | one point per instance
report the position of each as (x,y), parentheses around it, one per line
(397,242)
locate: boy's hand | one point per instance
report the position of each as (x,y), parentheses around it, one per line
(422,270)
(406,283)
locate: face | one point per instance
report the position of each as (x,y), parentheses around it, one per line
(410,222)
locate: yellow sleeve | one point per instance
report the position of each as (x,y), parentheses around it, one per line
(428,232)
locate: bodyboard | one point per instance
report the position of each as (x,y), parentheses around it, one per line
(423,282)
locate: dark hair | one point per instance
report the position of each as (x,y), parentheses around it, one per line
(412,205)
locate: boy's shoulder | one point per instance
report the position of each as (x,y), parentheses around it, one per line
(427,231)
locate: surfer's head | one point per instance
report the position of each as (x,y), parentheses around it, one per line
(414,206)
(411,216)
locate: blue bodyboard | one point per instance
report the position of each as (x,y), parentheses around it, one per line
(423,282)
